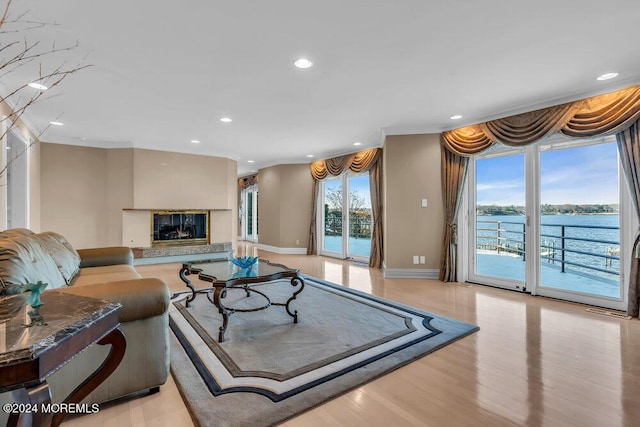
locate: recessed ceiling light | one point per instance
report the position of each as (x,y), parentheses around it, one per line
(195,141)
(251,161)
(309,155)
(8,148)
(607,76)
(303,63)
(253,170)
(456,117)
(357,143)
(226,119)
(38,86)
(56,123)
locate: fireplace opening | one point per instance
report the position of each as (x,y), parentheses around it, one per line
(180,228)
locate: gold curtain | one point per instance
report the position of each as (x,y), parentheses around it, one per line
(356,162)
(375,187)
(454,173)
(248,181)
(599,115)
(629,149)
(311,247)
(361,161)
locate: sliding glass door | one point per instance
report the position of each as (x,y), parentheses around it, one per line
(499,212)
(580,241)
(345,217)
(250,217)
(550,220)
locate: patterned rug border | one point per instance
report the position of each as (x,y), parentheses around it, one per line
(202,397)
(236,372)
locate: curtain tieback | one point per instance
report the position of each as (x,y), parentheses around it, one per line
(453,227)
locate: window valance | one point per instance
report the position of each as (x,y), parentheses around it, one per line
(599,115)
(248,181)
(356,162)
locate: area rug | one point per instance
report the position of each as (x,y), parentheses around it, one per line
(269,369)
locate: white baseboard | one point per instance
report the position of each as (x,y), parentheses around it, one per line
(283,251)
(410,273)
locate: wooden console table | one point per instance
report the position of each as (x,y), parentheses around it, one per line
(67,324)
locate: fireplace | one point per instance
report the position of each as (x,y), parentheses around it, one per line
(179,228)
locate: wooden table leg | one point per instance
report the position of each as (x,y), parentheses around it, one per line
(118,347)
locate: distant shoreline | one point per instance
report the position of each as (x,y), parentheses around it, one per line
(563,209)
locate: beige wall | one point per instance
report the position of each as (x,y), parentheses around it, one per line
(269,206)
(284,212)
(164,180)
(412,173)
(74,184)
(84,191)
(119,191)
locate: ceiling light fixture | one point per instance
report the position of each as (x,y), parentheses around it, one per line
(456,117)
(56,123)
(303,63)
(226,119)
(251,161)
(607,76)
(309,155)
(195,141)
(357,143)
(38,86)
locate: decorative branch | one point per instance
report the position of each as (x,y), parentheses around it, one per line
(22,96)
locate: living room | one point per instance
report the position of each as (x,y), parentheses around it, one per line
(142,135)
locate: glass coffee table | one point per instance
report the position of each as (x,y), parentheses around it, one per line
(224,275)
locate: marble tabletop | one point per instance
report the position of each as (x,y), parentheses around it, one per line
(61,316)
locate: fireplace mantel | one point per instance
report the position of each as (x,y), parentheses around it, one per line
(137,225)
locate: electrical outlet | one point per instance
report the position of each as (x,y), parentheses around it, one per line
(416,259)
(423,259)
(297,242)
(424,203)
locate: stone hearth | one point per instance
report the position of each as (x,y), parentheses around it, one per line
(166,251)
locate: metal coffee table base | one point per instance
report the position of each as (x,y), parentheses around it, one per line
(218,292)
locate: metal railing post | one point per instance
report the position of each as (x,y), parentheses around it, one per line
(498,237)
(562,247)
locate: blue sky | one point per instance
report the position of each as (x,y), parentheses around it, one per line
(358,183)
(583,175)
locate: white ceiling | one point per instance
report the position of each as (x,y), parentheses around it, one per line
(163,72)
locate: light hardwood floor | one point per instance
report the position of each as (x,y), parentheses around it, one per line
(534,362)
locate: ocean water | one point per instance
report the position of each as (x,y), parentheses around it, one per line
(357,247)
(601,234)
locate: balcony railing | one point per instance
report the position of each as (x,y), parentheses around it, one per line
(561,244)
(359,224)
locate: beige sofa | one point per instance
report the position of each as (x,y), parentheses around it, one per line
(105,273)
